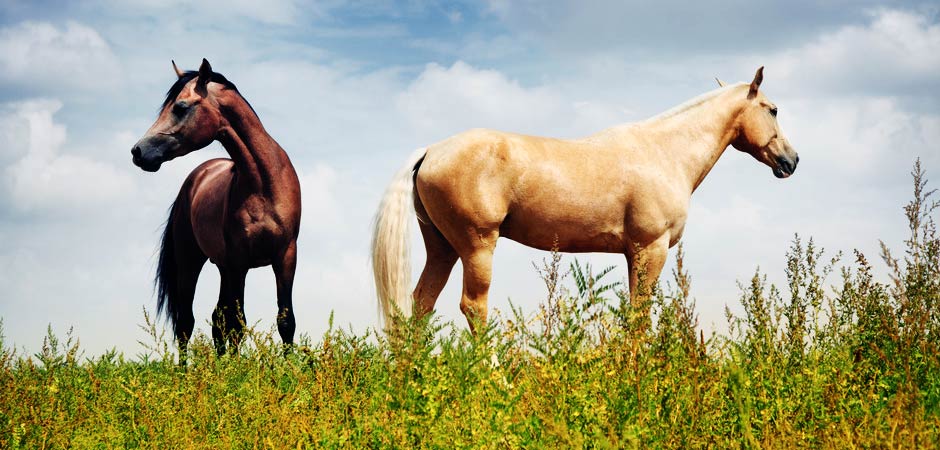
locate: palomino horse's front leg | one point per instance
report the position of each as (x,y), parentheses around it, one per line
(228,320)
(645,264)
(284,278)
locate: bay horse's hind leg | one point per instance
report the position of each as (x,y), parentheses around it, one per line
(228,319)
(284,278)
(440,261)
(189,263)
(178,269)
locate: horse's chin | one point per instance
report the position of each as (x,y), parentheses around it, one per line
(148,166)
(781,173)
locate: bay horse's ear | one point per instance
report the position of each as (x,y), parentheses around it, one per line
(179,73)
(720,83)
(758,79)
(205,74)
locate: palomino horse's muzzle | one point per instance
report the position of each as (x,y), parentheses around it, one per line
(785,166)
(782,157)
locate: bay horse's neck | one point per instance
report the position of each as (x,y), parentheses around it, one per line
(695,137)
(259,159)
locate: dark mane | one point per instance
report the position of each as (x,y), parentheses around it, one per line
(189,75)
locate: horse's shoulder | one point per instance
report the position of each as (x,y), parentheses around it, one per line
(209,170)
(216,164)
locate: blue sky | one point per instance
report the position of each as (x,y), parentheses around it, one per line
(351,88)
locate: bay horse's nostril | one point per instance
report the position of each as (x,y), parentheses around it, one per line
(135,152)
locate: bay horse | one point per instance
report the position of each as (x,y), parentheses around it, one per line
(239,213)
(623,190)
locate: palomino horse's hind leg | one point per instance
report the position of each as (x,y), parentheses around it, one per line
(228,320)
(477,272)
(284,278)
(440,261)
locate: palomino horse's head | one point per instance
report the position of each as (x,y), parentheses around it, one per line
(189,118)
(759,134)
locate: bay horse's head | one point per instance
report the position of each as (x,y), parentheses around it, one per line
(189,118)
(759,134)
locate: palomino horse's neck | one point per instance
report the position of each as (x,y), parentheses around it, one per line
(696,134)
(259,159)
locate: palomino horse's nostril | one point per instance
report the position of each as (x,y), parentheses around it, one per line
(787,164)
(135,152)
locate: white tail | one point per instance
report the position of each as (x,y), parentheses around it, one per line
(391,260)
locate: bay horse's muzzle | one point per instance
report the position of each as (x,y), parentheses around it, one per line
(146,164)
(149,153)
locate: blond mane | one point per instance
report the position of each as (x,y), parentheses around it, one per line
(693,102)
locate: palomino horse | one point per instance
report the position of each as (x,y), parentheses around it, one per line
(623,190)
(240,213)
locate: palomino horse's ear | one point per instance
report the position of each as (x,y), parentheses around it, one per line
(758,79)
(179,73)
(205,73)
(720,83)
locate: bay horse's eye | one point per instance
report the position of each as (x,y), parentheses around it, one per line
(180,108)
(773,111)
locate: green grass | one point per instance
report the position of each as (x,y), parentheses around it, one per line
(835,358)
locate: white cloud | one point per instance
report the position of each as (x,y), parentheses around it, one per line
(859,137)
(319,206)
(443,101)
(896,51)
(42,56)
(14,135)
(45,178)
(476,46)
(451,99)
(275,12)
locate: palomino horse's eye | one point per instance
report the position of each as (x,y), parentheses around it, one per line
(180,108)
(773,111)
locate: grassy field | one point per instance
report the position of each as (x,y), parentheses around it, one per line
(833,359)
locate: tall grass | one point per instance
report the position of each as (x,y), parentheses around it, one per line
(835,358)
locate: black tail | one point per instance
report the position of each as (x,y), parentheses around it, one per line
(166,281)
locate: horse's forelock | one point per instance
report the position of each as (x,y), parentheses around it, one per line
(180,83)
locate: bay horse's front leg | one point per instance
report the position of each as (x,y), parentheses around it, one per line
(284,268)
(228,320)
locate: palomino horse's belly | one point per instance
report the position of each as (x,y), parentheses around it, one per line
(563,234)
